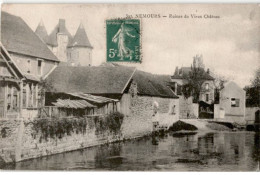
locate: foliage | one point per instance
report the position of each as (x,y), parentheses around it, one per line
(256,81)
(194,81)
(253,91)
(112,123)
(58,127)
(218,82)
(179,125)
(44,87)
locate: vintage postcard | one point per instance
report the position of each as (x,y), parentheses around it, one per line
(130,87)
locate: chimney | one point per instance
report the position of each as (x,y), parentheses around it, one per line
(208,71)
(176,71)
(61,26)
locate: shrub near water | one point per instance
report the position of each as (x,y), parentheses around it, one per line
(179,125)
(58,127)
(112,123)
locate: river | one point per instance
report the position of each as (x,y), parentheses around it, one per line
(218,151)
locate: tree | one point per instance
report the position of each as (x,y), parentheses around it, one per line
(194,80)
(219,82)
(253,91)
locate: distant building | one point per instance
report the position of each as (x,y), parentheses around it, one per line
(207,90)
(26,58)
(232,103)
(187,108)
(74,50)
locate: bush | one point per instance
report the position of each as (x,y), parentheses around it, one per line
(112,123)
(179,125)
(58,127)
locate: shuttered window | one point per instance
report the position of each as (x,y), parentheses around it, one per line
(235,102)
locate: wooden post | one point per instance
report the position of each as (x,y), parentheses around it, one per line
(36,93)
(27,95)
(32,94)
(5,100)
(12,97)
(21,98)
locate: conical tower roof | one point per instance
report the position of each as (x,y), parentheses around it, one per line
(81,39)
(41,32)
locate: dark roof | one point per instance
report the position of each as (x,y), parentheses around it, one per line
(81,39)
(91,80)
(186,70)
(60,28)
(153,85)
(41,32)
(19,38)
(111,79)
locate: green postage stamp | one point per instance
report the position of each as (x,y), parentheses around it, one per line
(123,40)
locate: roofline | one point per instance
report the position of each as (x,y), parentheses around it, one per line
(161,96)
(128,81)
(91,47)
(35,56)
(54,67)
(181,78)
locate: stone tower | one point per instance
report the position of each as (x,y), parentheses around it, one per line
(75,51)
(58,40)
(80,50)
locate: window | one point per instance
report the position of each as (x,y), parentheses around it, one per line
(39,67)
(235,102)
(28,66)
(207,86)
(207,97)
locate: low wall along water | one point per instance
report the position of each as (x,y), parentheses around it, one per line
(25,139)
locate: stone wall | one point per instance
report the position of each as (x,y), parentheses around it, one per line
(9,130)
(141,113)
(187,108)
(19,141)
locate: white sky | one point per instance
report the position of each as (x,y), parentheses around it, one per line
(229,45)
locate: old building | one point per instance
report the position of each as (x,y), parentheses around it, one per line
(31,57)
(231,105)
(140,94)
(74,50)
(187,107)
(10,84)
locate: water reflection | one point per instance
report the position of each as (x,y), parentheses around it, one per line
(229,151)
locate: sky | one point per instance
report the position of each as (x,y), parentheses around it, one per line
(229,44)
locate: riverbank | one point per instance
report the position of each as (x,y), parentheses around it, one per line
(214,151)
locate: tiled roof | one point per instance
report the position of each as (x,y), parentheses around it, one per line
(81,39)
(153,85)
(108,80)
(76,104)
(90,80)
(19,38)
